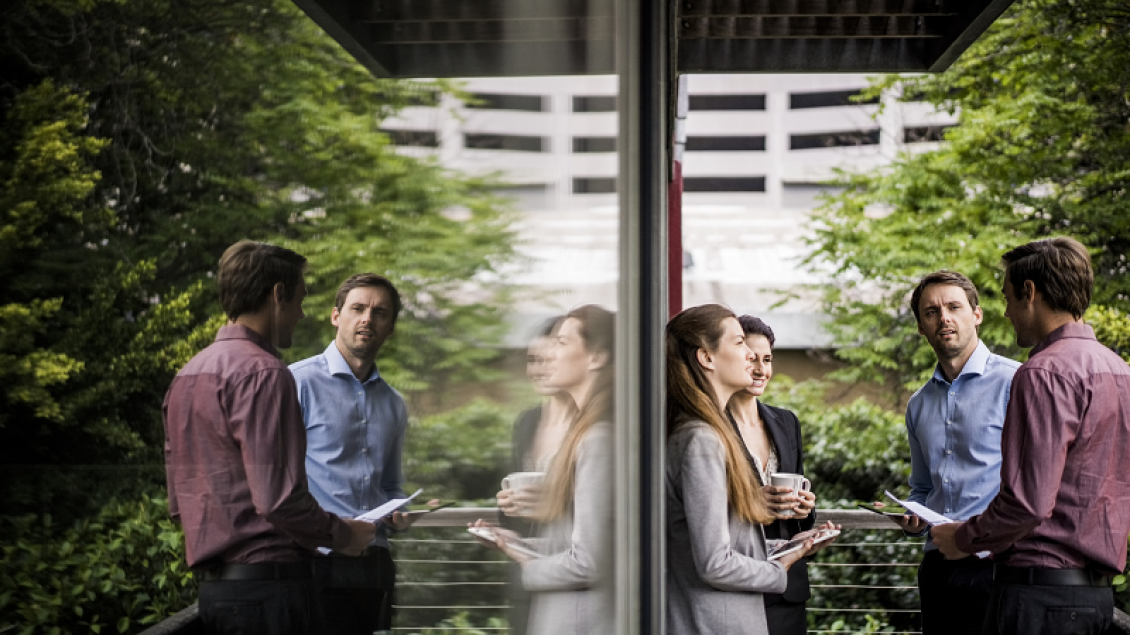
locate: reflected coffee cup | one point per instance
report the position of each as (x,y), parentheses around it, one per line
(518,481)
(522,480)
(795,482)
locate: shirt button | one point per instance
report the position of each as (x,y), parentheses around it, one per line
(945,481)
(953,394)
(364,450)
(948,422)
(949,451)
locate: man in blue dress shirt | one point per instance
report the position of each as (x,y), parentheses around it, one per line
(355,426)
(953,424)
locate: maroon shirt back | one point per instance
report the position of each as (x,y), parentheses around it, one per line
(1065,478)
(235,451)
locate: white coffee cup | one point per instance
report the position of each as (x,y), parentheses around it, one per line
(795,482)
(522,480)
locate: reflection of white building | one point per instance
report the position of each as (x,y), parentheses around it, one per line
(759,151)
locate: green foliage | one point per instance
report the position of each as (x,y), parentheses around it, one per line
(463,623)
(78,341)
(114,572)
(355,205)
(870,625)
(140,138)
(1041,149)
(118,201)
(854,451)
(461,454)
(1112,327)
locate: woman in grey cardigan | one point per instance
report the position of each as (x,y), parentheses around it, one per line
(570,583)
(716,553)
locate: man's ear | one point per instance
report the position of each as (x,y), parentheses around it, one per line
(335,315)
(1030,292)
(979,314)
(278,292)
(705,359)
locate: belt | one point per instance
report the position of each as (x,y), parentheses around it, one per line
(257,572)
(1050,577)
(369,552)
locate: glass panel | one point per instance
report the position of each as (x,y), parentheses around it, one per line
(469,160)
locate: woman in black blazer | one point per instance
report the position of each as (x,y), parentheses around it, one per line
(772,441)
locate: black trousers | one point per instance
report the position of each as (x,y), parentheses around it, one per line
(356,594)
(270,607)
(954,594)
(1028,609)
(786,618)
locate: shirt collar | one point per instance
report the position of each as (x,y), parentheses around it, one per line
(1071,330)
(338,366)
(975,365)
(241,332)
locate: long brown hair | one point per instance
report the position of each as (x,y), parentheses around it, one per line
(690,396)
(596,330)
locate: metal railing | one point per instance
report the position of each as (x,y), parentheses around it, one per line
(442,572)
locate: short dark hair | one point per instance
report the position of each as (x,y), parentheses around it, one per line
(250,270)
(1060,269)
(756,326)
(369,280)
(951,278)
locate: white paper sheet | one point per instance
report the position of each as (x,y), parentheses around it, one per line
(925,513)
(930,516)
(375,515)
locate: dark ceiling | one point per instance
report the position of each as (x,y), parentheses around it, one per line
(490,38)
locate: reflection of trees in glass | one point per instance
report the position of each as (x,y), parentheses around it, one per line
(1041,148)
(140,139)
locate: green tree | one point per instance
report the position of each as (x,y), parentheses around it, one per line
(1041,148)
(143,138)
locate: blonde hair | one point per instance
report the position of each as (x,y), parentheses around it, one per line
(690,397)
(596,330)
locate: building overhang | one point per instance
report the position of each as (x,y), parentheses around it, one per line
(498,38)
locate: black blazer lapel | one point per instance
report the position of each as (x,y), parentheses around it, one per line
(783,433)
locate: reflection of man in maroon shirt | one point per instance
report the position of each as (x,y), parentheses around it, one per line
(1058,527)
(235,449)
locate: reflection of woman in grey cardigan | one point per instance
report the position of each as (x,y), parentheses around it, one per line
(716,551)
(570,585)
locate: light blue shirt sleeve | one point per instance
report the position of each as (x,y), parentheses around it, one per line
(354,436)
(920,483)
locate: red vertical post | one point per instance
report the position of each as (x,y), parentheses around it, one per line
(675,240)
(675,201)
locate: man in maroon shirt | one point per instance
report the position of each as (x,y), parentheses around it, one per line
(1058,527)
(235,450)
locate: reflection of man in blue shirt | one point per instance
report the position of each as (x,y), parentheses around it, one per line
(953,424)
(355,426)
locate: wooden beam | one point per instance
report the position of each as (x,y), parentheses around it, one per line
(813,8)
(477,10)
(814,27)
(496,59)
(783,55)
(494,31)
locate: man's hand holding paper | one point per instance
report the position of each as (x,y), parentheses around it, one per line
(943,536)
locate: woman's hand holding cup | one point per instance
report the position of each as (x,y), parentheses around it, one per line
(789,495)
(520,494)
